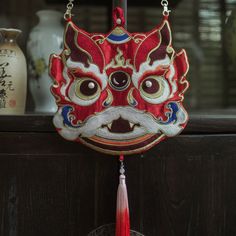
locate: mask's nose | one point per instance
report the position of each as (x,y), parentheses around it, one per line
(119,80)
(120,85)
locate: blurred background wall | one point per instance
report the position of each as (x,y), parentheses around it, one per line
(199,26)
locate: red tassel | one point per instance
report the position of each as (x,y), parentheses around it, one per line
(122,210)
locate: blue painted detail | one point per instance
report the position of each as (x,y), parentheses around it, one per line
(66,116)
(106,104)
(134,103)
(172,116)
(118,38)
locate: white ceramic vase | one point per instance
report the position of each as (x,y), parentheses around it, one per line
(13,74)
(45,38)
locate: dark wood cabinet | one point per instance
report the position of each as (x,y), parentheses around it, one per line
(185,186)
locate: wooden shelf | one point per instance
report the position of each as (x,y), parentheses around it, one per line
(198,124)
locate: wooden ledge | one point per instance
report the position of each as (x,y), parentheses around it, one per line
(198,124)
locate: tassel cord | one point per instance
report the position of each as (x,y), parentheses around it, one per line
(122,211)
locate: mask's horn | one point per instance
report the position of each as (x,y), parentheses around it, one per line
(160,52)
(154,47)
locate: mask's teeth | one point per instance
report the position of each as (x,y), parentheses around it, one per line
(131,125)
(109,125)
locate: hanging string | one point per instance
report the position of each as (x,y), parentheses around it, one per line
(166,11)
(68,14)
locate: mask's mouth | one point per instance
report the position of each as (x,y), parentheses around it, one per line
(123,130)
(121,126)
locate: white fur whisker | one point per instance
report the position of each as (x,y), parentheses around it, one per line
(146,124)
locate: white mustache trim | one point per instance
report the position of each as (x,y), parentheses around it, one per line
(92,68)
(64,86)
(145,120)
(145,66)
(172,82)
(103,77)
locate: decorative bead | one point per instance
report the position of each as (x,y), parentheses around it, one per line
(148,84)
(122,170)
(91,85)
(118,21)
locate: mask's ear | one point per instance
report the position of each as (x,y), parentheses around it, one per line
(181,63)
(81,47)
(154,46)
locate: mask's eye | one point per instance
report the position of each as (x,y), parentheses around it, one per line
(155,89)
(84,91)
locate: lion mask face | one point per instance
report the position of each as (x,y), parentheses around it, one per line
(121,92)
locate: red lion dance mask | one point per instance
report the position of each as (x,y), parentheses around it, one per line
(121,92)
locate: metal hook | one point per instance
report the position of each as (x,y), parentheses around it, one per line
(166,11)
(69,8)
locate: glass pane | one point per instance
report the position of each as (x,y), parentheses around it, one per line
(207,30)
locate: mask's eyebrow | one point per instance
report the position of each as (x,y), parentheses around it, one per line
(146,67)
(92,68)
